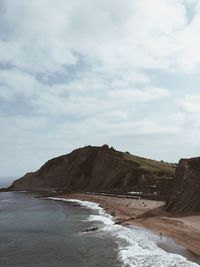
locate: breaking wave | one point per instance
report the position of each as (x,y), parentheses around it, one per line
(137,247)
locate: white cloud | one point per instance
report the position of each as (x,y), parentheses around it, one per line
(45,35)
(91,105)
(135,96)
(85,96)
(15,83)
(188,121)
(92,71)
(190,103)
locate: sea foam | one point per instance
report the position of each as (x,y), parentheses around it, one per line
(137,247)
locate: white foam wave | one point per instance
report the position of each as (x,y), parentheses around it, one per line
(104,219)
(21,191)
(86,204)
(142,250)
(137,247)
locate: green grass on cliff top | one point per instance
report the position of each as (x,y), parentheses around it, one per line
(152,165)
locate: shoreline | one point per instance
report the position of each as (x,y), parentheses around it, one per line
(184,231)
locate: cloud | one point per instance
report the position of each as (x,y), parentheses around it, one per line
(46,36)
(136,96)
(187,120)
(43,36)
(15,83)
(83,97)
(79,72)
(190,103)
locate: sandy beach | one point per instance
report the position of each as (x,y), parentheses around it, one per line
(185,230)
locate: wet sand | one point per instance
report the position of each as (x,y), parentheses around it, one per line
(185,230)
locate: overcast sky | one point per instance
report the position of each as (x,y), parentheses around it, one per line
(79,72)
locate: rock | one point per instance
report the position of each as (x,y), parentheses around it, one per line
(105,146)
(91,229)
(185,196)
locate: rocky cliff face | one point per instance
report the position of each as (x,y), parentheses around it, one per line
(99,169)
(185,196)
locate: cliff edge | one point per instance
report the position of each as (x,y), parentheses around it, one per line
(185,196)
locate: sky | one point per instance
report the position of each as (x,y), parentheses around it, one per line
(92,72)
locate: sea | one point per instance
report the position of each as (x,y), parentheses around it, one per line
(37,231)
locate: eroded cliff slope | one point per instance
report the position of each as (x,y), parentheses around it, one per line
(185,196)
(100,169)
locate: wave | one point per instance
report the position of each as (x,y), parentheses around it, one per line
(20,191)
(137,246)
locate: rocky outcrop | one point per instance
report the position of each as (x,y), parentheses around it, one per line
(100,169)
(185,196)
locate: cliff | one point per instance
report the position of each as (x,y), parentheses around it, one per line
(185,196)
(100,169)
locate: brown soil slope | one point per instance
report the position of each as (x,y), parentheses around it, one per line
(100,169)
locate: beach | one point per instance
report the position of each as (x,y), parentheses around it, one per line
(184,230)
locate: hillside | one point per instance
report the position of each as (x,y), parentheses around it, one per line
(100,169)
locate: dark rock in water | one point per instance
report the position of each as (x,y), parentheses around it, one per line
(90,229)
(100,169)
(185,196)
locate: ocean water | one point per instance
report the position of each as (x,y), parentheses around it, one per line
(51,232)
(38,232)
